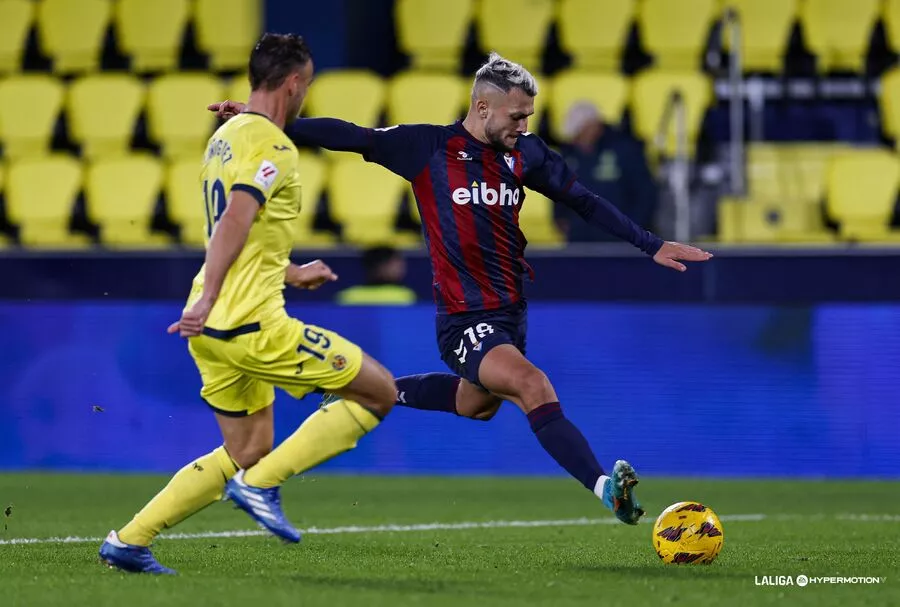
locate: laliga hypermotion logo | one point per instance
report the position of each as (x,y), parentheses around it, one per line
(482,194)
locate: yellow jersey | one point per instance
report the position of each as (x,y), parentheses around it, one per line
(250,153)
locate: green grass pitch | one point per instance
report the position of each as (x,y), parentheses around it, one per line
(772,528)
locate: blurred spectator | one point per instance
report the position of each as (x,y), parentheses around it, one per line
(611,165)
(385,270)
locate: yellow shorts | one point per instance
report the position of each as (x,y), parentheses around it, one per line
(240,372)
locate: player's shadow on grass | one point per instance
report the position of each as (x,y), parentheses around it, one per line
(659,570)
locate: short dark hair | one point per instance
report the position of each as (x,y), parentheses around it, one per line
(274,58)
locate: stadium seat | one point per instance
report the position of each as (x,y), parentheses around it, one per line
(313,177)
(594,32)
(889,104)
(838,32)
(40,196)
(177,117)
(227,30)
(433,32)
(750,221)
(652,91)
(536,221)
(121,196)
(861,192)
(353,95)
(516,29)
(15,22)
(765,31)
(102,111)
(151,32)
(543,99)
(415,97)
(365,198)
(608,92)
(29,108)
(675,33)
(891,18)
(238,88)
(184,200)
(72,33)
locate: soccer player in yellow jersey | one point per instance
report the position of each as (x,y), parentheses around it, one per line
(241,338)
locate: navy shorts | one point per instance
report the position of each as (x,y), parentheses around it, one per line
(464,338)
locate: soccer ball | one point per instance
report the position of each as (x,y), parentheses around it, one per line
(688,532)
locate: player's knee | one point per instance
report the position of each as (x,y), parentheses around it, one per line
(486,415)
(535,386)
(382,391)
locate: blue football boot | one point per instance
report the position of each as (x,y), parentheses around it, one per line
(618,493)
(116,554)
(263,506)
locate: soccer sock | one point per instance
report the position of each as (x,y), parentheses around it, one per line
(193,488)
(326,433)
(562,440)
(430,392)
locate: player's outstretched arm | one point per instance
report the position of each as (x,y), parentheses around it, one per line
(227,241)
(310,275)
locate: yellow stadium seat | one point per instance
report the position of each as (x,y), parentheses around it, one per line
(40,195)
(608,92)
(365,198)
(675,33)
(594,32)
(433,32)
(889,104)
(72,33)
(238,88)
(120,196)
(177,114)
(353,95)
(102,111)
(861,192)
(313,177)
(807,167)
(765,31)
(891,18)
(227,30)
(838,31)
(414,98)
(15,22)
(184,200)
(151,32)
(766,221)
(536,221)
(652,91)
(517,29)
(29,107)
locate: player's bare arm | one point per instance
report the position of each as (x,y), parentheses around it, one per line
(225,245)
(310,275)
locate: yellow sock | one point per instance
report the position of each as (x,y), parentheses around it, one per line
(329,431)
(192,489)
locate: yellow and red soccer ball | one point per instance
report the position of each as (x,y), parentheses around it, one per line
(688,533)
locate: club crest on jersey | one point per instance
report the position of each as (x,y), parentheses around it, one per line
(510,161)
(482,194)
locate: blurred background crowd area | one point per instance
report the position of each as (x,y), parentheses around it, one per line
(103,114)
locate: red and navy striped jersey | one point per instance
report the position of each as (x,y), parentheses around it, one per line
(469,196)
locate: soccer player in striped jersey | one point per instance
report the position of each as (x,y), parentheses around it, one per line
(468,181)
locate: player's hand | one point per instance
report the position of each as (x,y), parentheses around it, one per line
(226,109)
(310,275)
(671,253)
(192,321)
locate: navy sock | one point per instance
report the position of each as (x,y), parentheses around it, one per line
(565,443)
(429,391)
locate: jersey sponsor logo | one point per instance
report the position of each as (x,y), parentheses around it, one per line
(266,174)
(463,155)
(482,194)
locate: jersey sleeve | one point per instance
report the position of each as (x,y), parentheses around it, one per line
(547,172)
(260,168)
(402,149)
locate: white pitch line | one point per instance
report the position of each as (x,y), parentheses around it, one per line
(393,528)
